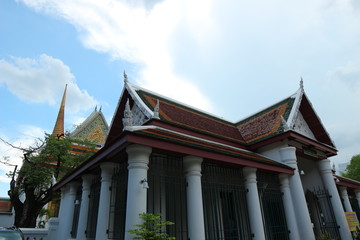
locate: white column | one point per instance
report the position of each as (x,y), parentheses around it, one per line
(357,194)
(52,226)
(329,183)
(289,207)
(345,197)
(288,156)
(253,204)
(138,160)
(195,211)
(67,211)
(84,207)
(63,196)
(107,170)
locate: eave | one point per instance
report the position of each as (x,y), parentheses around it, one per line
(127,138)
(206,154)
(291,135)
(103,154)
(203,135)
(346,182)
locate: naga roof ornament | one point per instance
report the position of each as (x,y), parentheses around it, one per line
(127,120)
(156,110)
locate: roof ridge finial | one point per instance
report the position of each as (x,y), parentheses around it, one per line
(302,83)
(125,77)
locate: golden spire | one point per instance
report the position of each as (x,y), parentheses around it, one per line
(59,125)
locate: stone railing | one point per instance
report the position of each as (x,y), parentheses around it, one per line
(48,233)
(35,233)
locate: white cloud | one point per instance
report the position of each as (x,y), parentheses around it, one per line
(343,90)
(4,179)
(137,33)
(42,81)
(256,50)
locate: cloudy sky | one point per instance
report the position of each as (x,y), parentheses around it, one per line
(231,58)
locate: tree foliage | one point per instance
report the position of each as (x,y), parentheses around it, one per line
(47,161)
(353,169)
(152,228)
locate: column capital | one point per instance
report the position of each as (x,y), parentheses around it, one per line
(63,190)
(284,180)
(86,181)
(288,156)
(138,156)
(357,193)
(73,186)
(325,166)
(107,169)
(136,149)
(343,190)
(192,165)
(250,174)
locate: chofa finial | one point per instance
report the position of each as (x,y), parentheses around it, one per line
(302,83)
(125,77)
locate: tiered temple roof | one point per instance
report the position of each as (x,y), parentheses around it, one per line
(148,118)
(293,115)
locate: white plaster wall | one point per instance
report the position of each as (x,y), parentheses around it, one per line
(272,151)
(7,220)
(311,179)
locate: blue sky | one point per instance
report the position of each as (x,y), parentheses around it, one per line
(231,58)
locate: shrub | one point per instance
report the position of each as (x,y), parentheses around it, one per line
(152,228)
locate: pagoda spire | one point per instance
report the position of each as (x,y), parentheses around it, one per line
(59,125)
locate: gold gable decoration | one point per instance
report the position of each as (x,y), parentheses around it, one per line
(96,136)
(93,129)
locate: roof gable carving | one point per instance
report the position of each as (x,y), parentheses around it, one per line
(302,127)
(129,102)
(94,128)
(294,113)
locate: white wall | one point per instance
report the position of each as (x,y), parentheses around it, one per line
(272,151)
(311,179)
(6,219)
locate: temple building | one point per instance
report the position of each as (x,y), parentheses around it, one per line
(267,176)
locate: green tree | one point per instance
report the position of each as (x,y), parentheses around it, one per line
(152,228)
(353,169)
(47,161)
